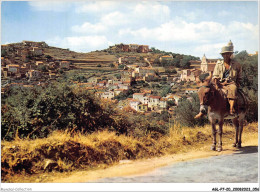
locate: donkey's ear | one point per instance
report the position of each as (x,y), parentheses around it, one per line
(198,81)
(208,79)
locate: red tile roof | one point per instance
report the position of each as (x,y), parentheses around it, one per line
(154,97)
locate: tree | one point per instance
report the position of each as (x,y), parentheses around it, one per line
(185,62)
(170,103)
(3,53)
(249,82)
(165,91)
(175,62)
(111,65)
(118,76)
(43,68)
(121,66)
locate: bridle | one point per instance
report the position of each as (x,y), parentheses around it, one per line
(207,101)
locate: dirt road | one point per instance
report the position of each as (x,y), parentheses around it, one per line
(239,167)
(146,166)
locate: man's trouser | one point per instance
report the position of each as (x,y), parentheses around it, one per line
(231,90)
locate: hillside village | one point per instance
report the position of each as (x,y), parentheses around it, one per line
(128,75)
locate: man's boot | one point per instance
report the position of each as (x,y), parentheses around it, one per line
(231,103)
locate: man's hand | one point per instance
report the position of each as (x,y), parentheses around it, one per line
(224,83)
(216,82)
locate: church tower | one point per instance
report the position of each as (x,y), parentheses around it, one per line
(204,64)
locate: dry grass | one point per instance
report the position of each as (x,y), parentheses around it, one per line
(62,152)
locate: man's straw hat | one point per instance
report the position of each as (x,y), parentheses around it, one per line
(228,49)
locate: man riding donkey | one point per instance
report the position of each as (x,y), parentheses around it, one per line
(227,75)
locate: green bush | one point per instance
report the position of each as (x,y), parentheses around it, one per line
(249,82)
(36,112)
(121,66)
(186,111)
(252,112)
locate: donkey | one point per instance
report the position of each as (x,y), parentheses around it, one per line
(214,103)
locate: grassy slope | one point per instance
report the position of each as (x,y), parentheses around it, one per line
(27,158)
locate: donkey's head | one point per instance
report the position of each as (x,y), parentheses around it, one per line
(204,93)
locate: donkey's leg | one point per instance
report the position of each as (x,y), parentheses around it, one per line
(220,131)
(213,147)
(240,133)
(236,125)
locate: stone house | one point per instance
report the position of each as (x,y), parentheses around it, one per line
(163,103)
(123,86)
(143,49)
(122,60)
(4,72)
(95,80)
(105,95)
(142,108)
(122,47)
(134,104)
(142,97)
(34,74)
(148,92)
(150,77)
(190,91)
(189,74)
(35,44)
(13,68)
(39,63)
(166,58)
(126,78)
(111,86)
(127,83)
(208,65)
(154,101)
(143,70)
(133,47)
(159,69)
(101,83)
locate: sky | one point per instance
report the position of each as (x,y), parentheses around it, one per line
(185,27)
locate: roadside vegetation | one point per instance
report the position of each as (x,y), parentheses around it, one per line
(25,160)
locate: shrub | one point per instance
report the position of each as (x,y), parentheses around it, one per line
(252,113)
(111,65)
(186,110)
(121,66)
(37,112)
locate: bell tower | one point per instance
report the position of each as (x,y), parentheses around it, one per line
(204,64)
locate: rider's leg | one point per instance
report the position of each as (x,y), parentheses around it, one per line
(232,103)
(232,96)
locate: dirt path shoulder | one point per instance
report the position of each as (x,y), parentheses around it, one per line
(140,167)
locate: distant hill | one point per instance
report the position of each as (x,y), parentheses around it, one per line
(104,57)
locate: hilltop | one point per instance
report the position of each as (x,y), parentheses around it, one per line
(91,59)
